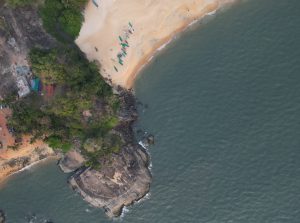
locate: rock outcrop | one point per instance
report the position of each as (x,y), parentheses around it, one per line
(125,180)
(71,161)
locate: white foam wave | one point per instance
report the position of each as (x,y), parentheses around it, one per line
(212,12)
(147,150)
(30,166)
(146,197)
(124,211)
(143,145)
(150,58)
(88,210)
(165,44)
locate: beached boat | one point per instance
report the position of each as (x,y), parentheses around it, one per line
(95,3)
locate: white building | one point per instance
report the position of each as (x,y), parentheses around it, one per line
(23,87)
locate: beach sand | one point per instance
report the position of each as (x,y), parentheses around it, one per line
(135,29)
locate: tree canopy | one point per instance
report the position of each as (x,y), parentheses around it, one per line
(62,17)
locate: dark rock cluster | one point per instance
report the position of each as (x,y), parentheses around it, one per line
(2,217)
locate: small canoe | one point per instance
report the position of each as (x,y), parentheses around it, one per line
(95,3)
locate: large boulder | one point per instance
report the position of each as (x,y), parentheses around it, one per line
(71,161)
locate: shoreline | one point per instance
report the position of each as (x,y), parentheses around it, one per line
(4,179)
(150,33)
(162,46)
(36,163)
(86,180)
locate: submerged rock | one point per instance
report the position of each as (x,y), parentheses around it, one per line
(147,140)
(2,217)
(124,179)
(150,139)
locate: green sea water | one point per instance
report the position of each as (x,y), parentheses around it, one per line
(223,102)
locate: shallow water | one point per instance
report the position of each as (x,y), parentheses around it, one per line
(224,104)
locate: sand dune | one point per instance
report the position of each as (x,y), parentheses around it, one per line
(134,30)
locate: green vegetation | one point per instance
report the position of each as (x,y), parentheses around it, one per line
(2,23)
(109,144)
(66,66)
(62,17)
(82,109)
(56,142)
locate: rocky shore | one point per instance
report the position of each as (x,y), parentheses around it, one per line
(123,178)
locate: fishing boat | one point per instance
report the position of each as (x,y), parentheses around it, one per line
(95,3)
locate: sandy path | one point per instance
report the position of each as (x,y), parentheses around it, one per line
(135,29)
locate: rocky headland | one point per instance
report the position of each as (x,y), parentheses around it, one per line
(123,178)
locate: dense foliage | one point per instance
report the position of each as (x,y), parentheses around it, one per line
(80,110)
(60,119)
(61,17)
(68,67)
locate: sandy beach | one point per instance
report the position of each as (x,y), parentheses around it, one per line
(122,35)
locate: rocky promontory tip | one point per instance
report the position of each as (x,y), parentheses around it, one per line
(120,182)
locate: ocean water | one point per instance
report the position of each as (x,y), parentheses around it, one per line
(223,102)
